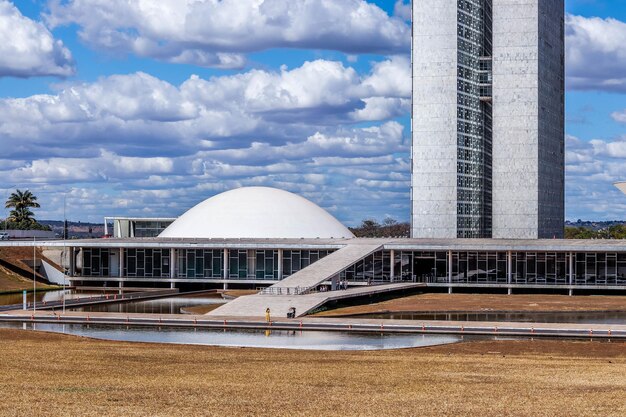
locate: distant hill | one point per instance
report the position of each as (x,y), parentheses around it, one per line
(595,225)
(76,230)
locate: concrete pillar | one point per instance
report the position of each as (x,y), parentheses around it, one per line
(449,266)
(509,291)
(570,292)
(509,267)
(280,264)
(121,286)
(571,268)
(449,289)
(121,263)
(225,285)
(392,260)
(72,256)
(172,263)
(225,269)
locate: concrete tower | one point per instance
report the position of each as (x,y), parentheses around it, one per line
(488,119)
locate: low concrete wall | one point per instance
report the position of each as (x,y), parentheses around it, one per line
(25,234)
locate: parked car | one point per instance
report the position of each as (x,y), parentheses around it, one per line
(4,236)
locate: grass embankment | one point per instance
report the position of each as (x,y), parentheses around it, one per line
(16,274)
(486,302)
(494,378)
(11,283)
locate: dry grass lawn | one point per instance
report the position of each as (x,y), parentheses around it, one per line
(486,302)
(76,376)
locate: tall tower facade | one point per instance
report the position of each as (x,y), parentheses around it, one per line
(488,119)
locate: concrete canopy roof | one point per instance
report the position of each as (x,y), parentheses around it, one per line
(256,213)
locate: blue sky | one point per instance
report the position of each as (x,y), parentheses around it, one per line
(146,108)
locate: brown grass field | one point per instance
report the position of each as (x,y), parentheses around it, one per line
(48,374)
(486,302)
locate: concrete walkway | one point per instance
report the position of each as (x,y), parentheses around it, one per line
(344,324)
(255,305)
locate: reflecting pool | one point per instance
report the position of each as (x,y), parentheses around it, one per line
(586,317)
(169,305)
(246,338)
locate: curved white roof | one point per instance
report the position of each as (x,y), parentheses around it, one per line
(256,213)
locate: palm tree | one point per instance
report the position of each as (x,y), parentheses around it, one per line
(21,202)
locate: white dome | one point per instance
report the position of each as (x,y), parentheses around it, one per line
(256,213)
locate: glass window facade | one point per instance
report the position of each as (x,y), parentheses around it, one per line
(373,268)
(295,260)
(456,267)
(147,263)
(266,264)
(241,264)
(479,267)
(149,228)
(420,266)
(95,262)
(474,119)
(200,263)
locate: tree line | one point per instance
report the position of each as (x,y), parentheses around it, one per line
(613,232)
(388,228)
(391,228)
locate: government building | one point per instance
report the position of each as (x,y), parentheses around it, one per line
(487,187)
(488,119)
(257,237)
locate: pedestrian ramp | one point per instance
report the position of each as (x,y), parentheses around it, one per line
(327,267)
(300,283)
(279,305)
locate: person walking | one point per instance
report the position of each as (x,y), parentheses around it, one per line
(267,315)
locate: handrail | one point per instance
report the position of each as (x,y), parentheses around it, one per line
(285,290)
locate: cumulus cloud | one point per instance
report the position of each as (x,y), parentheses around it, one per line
(218,33)
(619,116)
(28,49)
(346,171)
(138,114)
(154,148)
(591,169)
(595,53)
(402,9)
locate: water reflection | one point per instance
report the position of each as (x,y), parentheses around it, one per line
(599,317)
(248,338)
(47,296)
(170,305)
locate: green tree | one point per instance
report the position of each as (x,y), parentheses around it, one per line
(389,228)
(21,202)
